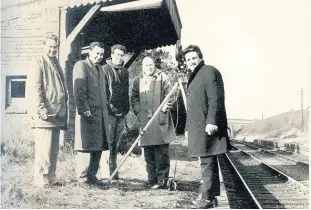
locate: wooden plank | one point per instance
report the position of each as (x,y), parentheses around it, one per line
(85,20)
(131,59)
(173,11)
(178,48)
(132,6)
(62,39)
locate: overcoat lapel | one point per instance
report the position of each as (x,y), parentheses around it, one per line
(92,66)
(57,69)
(194,73)
(99,72)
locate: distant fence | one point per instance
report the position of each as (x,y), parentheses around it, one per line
(266,143)
(289,147)
(296,148)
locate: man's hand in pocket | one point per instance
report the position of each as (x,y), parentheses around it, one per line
(87,114)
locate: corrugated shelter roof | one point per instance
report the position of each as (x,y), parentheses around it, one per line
(59,3)
(77,3)
(140,24)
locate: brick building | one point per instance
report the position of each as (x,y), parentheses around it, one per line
(139,25)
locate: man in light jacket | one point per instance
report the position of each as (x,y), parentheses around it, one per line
(47,100)
(149,90)
(91,124)
(117,87)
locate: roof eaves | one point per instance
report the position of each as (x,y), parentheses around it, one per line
(78,3)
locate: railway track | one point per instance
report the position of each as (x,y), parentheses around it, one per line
(290,155)
(293,168)
(250,183)
(238,195)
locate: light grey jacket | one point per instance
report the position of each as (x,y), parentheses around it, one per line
(47,93)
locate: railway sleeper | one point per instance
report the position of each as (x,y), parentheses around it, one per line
(284,202)
(267,197)
(286,207)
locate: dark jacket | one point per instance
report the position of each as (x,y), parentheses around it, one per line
(90,95)
(206,105)
(161,130)
(117,88)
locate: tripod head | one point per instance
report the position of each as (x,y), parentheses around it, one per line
(181,66)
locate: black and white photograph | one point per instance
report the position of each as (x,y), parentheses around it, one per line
(155,104)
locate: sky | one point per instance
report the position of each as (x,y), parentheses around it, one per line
(261,47)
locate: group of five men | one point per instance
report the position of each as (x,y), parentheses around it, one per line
(102,101)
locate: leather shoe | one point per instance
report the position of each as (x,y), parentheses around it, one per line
(200,197)
(149,184)
(204,204)
(53,184)
(215,202)
(159,186)
(92,181)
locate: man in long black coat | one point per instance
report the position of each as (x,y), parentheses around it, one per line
(206,125)
(91,125)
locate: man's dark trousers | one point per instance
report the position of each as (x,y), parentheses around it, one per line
(210,176)
(88,170)
(116,127)
(158,163)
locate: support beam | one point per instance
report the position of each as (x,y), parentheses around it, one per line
(62,38)
(173,11)
(178,48)
(62,55)
(133,5)
(130,60)
(86,19)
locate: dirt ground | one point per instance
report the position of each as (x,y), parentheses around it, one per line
(17,190)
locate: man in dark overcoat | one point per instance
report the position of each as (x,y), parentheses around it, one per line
(206,125)
(91,125)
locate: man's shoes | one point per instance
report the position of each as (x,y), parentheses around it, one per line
(198,198)
(149,185)
(88,180)
(56,184)
(204,204)
(92,181)
(160,185)
(215,201)
(51,184)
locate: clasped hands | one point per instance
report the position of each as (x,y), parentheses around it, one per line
(115,111)
(166,107)
(87,114)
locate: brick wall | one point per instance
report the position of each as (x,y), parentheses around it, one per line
(23,29)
